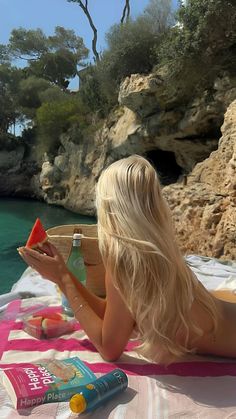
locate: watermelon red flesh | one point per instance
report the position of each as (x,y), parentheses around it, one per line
(47,314)
(33,326)
(37,236)
(54,328)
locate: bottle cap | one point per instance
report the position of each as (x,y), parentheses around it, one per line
(78,403)
(77,236)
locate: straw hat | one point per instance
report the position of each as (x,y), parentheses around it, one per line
(61,237)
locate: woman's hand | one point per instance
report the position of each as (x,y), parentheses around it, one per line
(46,260)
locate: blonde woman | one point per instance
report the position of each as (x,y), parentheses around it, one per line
(149,287)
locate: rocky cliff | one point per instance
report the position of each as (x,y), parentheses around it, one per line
(18,170)
(149,122)
(204,210)
(175,136)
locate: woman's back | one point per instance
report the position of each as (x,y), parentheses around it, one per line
(222,341)
(140,252)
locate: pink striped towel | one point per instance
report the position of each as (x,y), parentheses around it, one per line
(203,388)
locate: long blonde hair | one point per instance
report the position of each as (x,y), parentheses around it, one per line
(138,248)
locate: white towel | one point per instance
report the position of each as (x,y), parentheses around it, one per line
(213,273)
(31,281)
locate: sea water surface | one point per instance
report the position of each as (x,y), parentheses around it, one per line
(17,217)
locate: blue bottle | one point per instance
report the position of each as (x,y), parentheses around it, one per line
(96,393)
(75,264)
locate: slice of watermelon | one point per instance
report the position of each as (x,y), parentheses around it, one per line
(33,326)
(47,314)
(53,328)
(37,236)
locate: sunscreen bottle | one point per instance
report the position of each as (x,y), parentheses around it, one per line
(96,393)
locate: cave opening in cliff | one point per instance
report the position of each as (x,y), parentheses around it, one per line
(165,164)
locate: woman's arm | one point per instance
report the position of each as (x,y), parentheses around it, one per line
(108,324)
(110,334)
(98,304)
(50,264)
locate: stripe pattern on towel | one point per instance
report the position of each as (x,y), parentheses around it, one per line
(199,389)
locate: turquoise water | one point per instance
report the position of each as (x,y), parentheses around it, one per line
(17,217)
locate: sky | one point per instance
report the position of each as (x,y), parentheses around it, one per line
(46,14)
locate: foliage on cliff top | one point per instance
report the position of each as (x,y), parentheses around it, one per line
(130,49)
(196,49)
(200,47)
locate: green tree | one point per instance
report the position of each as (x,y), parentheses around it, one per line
(57,67)
(159,15)
(129,51)
(9,107)
(53,94)
(204,27)
(91,91)
(55,118)
(27,44)
(200,47)
(55,58)
(66,39)
(29,94)
(130,47)
(4,54)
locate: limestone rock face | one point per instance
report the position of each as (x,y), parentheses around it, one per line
(219,170)
(190,131)
(11,160)
(153,122)
(204,210)
(70,179)
(146,123)
(139,93)
(16,172)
